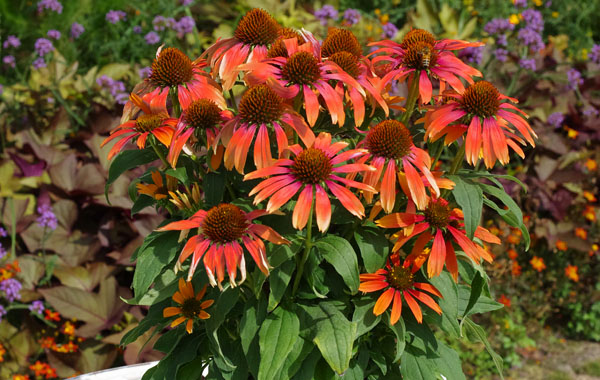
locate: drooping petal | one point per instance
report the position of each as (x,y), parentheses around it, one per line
(302,208)
(396,308)
(413,305)
(388,187)
(383,302)
(437,256)
(426,299)
(322,209)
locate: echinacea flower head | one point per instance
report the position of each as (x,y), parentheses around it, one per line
(278,48)
(398,280)
(154,120)
(173,69)
(222,231)
(481,112)
(252,37)
(158,189)
(421,56)
(261,110)
(312,171)
(191,306)
(442,225)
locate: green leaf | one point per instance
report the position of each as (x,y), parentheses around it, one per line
(358,366)
(127,159)
(448,321)
(223,305)
(469,197)
(154,318)
(484,304)
(179,173)
(399,329)
(374,248)
(157,251)
(339,253)
(416,365)
(448,364)
(182,353)
(253,317)
(363,315)
(476,333)
(334,337)
(476,287)
(511,219)
(277,336)
(141,203)
(516,220)
(278,282)
(214,187)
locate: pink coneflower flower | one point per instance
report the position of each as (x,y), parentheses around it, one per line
(313,170)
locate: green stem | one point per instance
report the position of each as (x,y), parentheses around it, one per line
(411,101)
(232,97)
(458,160)
(307,247)
(175,104)
(513,82)
(158,152)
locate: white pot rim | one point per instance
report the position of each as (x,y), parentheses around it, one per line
(129,372)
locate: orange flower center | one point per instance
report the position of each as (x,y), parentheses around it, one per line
(311,166)
(347,62)
(224,223)
(417,35)
(147,122)
(257,27)
(191,308)
(389,139)
(260,104)
(301,68)
(481,99)
(202,114)
(278,48)
(171,68)
(437,214)
(400,278)
(339,40)
(420,55)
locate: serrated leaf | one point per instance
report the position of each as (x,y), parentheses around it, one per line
(277,336)
(339,253)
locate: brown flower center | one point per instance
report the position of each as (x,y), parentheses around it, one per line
(257,27)
(278,48)
(301,68)
(147,122)
(191,308)
(389,139)
(260,104)
(171,68)
(202,114)
(420,55)
(481,99)
(338,40)
(311,166)
(415,36)
(400,278)
(224,223)
(437,213)
(347,62)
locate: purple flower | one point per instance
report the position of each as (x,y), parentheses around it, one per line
(556,119)
(521,3)
(527,63)
(184,26)
(533,19)
(160,23)
(2,252)
(11,41)
(52,5)
(9,60)
(574,79)
(39,63)
(594,54)
(115,16)
(351,16)
(531,37)
(43,46)
(122,98)
(1,89)
(52,33)
(37,307)
(502,40)
(144,72)
(152,38)
(2,312)
(590,111)
(76,30)
(3,232)
(137,29)
(11,288)
(389,30)
(325,13)
(47,217)
(185,3)
(115,87)
(498,25)
(472,54)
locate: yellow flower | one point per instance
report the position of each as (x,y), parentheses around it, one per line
(191,307)
(514,19)
(384,18)
(537,263)
(581,233)
(538,2)
(571,272)
(571,133)
(589,213)
(157,190)
(591,164)
(555,14)
(561,245)
(589,196)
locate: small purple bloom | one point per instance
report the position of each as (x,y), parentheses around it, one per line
(326,13)
(594,54)
(185,3)
(76,30)
(115,16)
(590,111)
(37,307)
(527,63)
(3,232)
(532,38)
(351,16)
(2,252)
(498,25)
(52,5)
(43,46)
(122,98)
(39,63)
(11,41)
(472,54)
(184,26)
(502,40)
(152,38)
(533,19)
(9,60)
(389,30)
(137,29)
(144,72)
(574,79)
(556,119)
(52,33)
(520,3)
(115,87)
(1,89)
(47,217)
(2,312)
(161,23)
(11,288)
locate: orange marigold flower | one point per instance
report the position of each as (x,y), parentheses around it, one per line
(43,369)
(571,272)
(399,281)
(561,245)
(47,342)
(589,196)
(65,348)
(537,263)
(590,213)
(515,269)
(314,170)
(480,113)
(68,328)
(512,254)
(2,352)
(157,189)
(20,377)
(581,233)
(423,57)
(220,232)
(51,315)
(446,226)
(591,164)
(571,133)
(191,306)
(504,300)
(513,239)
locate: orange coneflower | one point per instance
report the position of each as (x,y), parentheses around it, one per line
(446,226)
(255,32)
(262,110)
(158,190)
(425,57)
(313,170)
(480,113)
(220,232)
(154,120)
(399,281)
(191,306)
